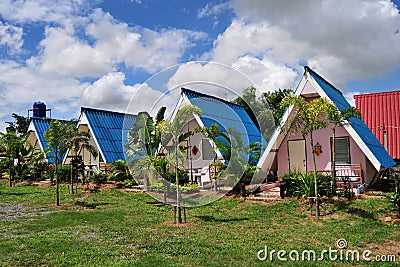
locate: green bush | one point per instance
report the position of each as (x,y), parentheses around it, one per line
(119,171)
(185,188)
(302,184)
(64,173)
(99,178)
(183,177)
(129,183)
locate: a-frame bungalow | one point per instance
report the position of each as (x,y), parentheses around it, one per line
(107,130)
(226,115)
(358,152)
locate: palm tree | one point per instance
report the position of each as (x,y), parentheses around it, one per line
(212,133)
(338,118)
(144,141)
(308,119)
(76,142)
(57,137)
(172,138)
(141,141)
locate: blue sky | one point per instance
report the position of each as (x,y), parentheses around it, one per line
(118,54)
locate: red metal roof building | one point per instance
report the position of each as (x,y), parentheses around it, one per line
(381,112)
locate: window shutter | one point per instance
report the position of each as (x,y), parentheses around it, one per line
(342,150)
(208,152)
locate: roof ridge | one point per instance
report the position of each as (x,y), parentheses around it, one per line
(106,111)
(183,90)
(308,69)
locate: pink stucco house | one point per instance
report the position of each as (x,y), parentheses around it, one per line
(355,144)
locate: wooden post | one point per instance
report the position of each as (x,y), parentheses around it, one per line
(184,214)
(174,214)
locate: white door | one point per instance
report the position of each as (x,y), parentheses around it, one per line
(297,155)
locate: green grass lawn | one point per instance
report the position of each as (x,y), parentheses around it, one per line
(114,228)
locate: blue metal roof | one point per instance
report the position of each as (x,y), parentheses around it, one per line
(357,124)
(41,126)
(226,114)
(108,128)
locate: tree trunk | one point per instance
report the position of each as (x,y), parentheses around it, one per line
(333,163)
(72,179)
(178,200)
(10,172)
(398,211)
(315,177)
(57,191)
(215,176)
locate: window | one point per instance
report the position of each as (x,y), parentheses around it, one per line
(342,150)
(208,152)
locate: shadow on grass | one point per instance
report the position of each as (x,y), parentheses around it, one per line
(210,218)
(94,205)
(18,193)
(155,203)
(346,207)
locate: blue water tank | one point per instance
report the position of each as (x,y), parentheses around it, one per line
(39,110)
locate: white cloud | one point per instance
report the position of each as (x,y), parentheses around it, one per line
(40,10)
(210,78)
(11,37)
(340,39)
(268,76)
(23,84)
(213,11)
(65,55)
(110,92)
(140,47)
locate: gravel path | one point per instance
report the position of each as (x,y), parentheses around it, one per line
(14,212)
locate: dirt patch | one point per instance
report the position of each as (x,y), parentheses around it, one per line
(390,247)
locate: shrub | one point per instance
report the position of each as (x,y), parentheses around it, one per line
(129,183)
(99,178)
(63,171)
(185,188)
(183,177)
(302,184)
(120,171)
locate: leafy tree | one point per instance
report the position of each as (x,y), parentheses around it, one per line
(57,137)
(338,118)
(265,111)
(76,141)
(172,139)
(20,125)
(10,144)
(307,119)
(15,148)
(273,101)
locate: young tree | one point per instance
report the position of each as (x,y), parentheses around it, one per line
(338,118)
(307,119)
(57,137)
(172,138)
(212,133)
(76,142)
